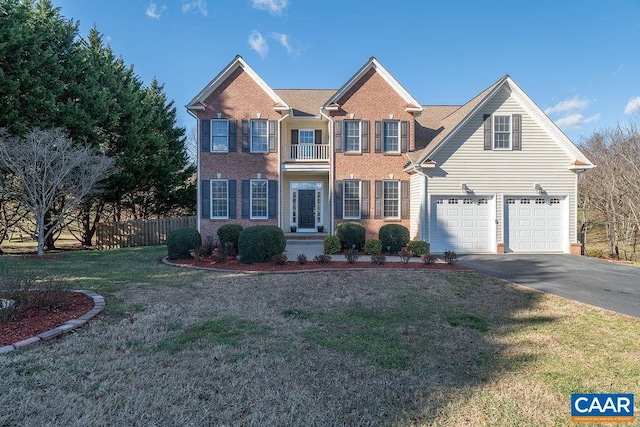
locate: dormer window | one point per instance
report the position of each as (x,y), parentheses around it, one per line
(501,132)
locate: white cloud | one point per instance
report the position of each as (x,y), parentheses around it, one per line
(199,5)
(576,120)
(573,104)
(153,12)
(284,41)
(275,7)
(618,70)
(258,43)
(633,106)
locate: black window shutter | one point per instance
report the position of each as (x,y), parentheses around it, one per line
(337,136)
(205,135)
(404,136)
(517,132)
(378,136)
(272,136)
(205,200)
(246,198)
(364,199)
(338,198)
(294,136)
(318,136)
(233,126)
(246,147)
(232,197)
(378,202)
(365,136)
(404,199)
(488,145)
(273,198)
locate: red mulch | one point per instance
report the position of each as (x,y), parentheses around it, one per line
(32,321)
(234,264)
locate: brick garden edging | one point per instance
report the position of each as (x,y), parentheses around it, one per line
(98,306)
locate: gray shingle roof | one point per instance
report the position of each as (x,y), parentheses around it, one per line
(305,102)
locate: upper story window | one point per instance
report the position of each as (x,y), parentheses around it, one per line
(220,135)
(219,199)
(259,136)
(351,199)
(391,199)
(391,143)
(259,199)
(501,132)
(352,136)
(306,136)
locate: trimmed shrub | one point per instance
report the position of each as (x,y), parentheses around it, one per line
(393,236)
(332,245)
(259,243)
(350,234)
(182,241)
(351,255)
(378,259)
(373,247)
(418,248)
(229,233)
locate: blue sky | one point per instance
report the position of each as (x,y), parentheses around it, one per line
(578,60)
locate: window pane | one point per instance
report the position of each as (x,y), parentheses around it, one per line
(352,135)
(259,136)
(351,194)
(502,132)
(219,135)
(219,200)
(259,198)
(391,199)
(306,137)
(391,136)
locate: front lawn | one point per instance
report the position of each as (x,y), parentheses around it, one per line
(378,347)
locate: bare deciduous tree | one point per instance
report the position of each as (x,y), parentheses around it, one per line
(45,167)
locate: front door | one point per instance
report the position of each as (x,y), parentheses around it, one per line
(307,209)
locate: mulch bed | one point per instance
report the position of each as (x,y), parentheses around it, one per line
(31,321)
(235,265)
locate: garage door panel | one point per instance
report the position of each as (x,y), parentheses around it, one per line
(462,224)
(535,224)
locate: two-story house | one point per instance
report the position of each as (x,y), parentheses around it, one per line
(492,175)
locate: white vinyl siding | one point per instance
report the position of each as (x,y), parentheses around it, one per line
(417,207)
(541,160)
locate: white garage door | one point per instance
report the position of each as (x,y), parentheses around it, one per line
(535,224)
(462,223)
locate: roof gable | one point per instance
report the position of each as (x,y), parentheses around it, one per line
(451,124)
(412,105)
(197,103)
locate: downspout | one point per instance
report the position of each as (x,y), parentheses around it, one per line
(198,145)
(279,216)
(331,172)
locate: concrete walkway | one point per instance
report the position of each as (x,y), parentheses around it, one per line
(311,248)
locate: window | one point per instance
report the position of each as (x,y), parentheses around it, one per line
(391,137)
(259,136)
(259,199)
(352,135)
(453,201)
(305,136)
(220,135)
(391,199)
(554,201)
(219,199)
(525,201)
(351,200)
(502,132)
(540,201)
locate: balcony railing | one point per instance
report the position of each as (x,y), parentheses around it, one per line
(307,152)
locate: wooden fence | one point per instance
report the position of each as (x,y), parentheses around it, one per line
(142,232)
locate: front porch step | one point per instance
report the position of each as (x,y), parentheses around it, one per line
(305,236)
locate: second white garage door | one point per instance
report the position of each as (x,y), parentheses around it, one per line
(464,224)
(535,224)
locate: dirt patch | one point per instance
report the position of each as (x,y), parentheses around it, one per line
(292,266)
(31,321)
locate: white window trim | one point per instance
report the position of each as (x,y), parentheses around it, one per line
(493,133)
(344,199)
(344,136)
(399,184)
(251,215)
(211,199)
(226,150)
(313,136)
(384,136)
(266,150)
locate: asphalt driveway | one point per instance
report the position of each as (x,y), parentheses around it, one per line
(592,281)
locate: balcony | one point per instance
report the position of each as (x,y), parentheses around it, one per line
(306,153)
